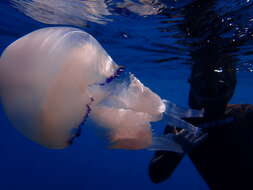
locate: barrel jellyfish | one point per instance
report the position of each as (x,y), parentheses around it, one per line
(52,79)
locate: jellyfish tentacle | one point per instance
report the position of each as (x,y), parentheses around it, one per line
(172,108)
(165,143)
(180,123)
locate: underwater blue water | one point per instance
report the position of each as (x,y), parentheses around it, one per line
(150,38)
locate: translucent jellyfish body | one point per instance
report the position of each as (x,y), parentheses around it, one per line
(53,78)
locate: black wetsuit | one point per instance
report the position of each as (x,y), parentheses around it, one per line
(224,159)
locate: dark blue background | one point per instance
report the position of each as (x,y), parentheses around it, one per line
(87,164)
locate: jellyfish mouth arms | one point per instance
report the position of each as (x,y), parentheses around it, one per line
(75,133)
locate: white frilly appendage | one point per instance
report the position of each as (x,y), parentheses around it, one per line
(172,116)
(52,79)
(133,106)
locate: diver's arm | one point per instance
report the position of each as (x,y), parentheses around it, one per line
(163,165)
(242,114)
(165,162)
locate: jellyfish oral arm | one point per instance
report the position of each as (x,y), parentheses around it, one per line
(172,108)
(125,128)
(165,143)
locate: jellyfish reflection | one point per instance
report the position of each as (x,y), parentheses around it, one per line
(71,12)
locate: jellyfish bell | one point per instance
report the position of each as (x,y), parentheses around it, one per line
(50,78)
(43,81)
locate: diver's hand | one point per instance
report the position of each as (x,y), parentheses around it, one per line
(188,139)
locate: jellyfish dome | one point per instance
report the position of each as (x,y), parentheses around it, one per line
(52,78)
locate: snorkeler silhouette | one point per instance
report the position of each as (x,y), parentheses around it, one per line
(224,157)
